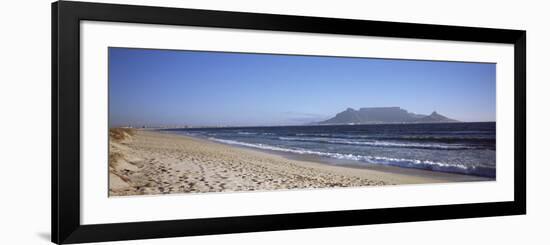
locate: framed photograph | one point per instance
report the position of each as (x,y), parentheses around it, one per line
(176,122)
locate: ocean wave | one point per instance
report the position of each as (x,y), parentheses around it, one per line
(487,171)
(379,143)
(444,138)
(246,133)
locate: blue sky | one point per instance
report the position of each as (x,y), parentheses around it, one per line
(167,87)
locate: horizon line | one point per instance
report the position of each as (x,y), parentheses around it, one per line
(282,125)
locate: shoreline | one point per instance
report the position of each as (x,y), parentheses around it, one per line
(152,162)
(448,176)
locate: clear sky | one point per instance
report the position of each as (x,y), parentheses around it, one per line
(167,87)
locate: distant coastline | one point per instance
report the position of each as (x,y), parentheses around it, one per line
(154,127)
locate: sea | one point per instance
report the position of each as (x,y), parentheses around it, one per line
(462,148)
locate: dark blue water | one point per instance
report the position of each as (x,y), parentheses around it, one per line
(466,148)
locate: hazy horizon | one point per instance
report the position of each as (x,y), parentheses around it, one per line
(198,88)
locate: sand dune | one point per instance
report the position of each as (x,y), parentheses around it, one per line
(148,162)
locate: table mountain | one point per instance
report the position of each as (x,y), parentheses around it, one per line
(375,115)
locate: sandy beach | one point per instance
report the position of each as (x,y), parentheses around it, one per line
(145,162)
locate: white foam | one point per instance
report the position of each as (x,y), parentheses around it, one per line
(411,163)
(246,133)
(380,143)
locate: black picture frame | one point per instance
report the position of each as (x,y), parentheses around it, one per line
(66,17)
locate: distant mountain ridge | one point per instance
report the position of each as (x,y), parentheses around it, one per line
(378,115)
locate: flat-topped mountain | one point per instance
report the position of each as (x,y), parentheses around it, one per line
(375,115)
